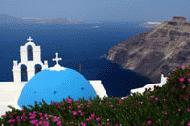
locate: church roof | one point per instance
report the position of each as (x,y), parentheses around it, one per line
(54,86)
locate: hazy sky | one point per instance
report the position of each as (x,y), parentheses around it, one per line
(97,10)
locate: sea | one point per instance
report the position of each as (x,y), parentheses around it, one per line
(83,47)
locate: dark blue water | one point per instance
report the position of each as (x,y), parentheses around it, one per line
(76,44)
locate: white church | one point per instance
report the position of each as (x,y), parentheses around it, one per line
(30,65)
(26,69)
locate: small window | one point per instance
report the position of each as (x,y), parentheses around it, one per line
(30,53)
(24,75)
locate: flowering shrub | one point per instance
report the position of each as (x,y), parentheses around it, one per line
(165,106)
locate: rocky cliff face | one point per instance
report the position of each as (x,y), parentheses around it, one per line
(158,51)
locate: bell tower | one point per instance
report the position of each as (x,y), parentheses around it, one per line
(30,62)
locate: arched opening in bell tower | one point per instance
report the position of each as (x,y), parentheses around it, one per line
(37,68)
(30,53)
(24,74)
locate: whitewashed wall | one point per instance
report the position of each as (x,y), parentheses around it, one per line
(163,81)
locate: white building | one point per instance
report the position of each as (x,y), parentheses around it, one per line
(140,90)
(30,63)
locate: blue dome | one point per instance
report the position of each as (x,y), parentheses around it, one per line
(50,85)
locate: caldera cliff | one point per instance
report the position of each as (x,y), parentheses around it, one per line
(158,51)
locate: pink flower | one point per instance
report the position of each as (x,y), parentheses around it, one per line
(188,109)
(70,107)
(40,114)
(11,120)
(32,117)
(18,119)
(58,106)
(59,123)
(23,118)
(182,67)
(149,122)
(92,115)
(181,79)
(46,116)
(45,123)
(68,100)
(42,118)
(98,119)
(99,124)
(78,106)
(88,119)
(34,122)
(83,124)
(156,98)
(74,113)
(188,123)
(55,119)
(79,111)
(188,80)
(40,122)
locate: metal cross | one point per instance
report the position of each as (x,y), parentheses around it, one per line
(57,59)
(30,39)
